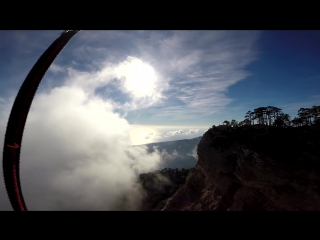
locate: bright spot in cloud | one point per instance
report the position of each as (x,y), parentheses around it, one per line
(80,149)
(143,134)
(133,77)
(138,78)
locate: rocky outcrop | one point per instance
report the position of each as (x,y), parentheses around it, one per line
(241,172)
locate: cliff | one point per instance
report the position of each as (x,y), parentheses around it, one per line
(255,168)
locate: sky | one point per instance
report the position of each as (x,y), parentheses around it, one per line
(109,90)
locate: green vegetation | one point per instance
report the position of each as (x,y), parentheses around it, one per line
(294,144)
(160,185)
(274,134)
(273,116)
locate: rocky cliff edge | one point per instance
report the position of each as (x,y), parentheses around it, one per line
(264,169)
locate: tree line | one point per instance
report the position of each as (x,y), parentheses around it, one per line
(274,116)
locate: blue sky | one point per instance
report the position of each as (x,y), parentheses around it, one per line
(108,90)
(196,78)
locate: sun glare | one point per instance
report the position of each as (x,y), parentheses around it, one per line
(139,77)
(143,134)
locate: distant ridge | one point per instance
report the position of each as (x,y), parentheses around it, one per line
(170,141)
(177,153)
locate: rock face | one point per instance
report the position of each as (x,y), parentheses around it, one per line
(235,176)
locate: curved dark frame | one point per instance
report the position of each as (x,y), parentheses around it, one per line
(18,117)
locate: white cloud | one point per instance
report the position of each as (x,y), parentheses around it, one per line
(173,133)
(201,66)
(75,152)
(141,81)
(166,156)
(140,134)
(56,68)
(188,72)
(194,69)
(139,78)
(132,76)
(144,134)
(149,135)
(194,153)
(76,155)
(191,131)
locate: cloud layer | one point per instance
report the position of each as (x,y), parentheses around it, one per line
(194,69)
(76,154)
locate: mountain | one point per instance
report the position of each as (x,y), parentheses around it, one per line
(177,154)
(251,168)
